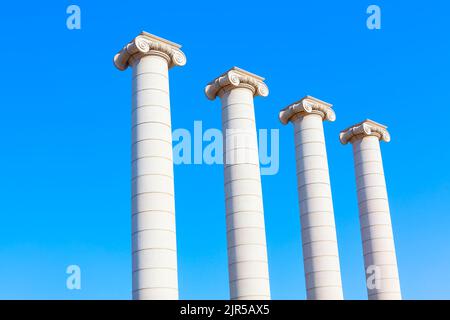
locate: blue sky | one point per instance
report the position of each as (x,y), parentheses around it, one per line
(65,137)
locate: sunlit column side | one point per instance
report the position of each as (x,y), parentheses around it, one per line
(154,250)
(247,252)
(380,260)
(320,249)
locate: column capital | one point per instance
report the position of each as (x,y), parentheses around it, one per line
(364,129)
(236,78)
(149,44)
(305,106)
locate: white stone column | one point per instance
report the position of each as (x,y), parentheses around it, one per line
(247,252)
(154,250)
(320,249)
(380,260)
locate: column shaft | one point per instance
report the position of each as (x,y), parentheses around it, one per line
(247,252)
(153,204)
(320,249)
(376,229)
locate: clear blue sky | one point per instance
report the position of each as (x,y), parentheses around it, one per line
(65,137)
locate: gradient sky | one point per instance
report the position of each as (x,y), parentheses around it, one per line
(65,137)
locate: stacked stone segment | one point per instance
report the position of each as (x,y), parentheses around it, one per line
(154,250)
(246,237)
(380,260)
(319,242)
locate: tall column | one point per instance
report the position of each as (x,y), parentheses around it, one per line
(247,252)
(154,251)
(376,229)
(320,249)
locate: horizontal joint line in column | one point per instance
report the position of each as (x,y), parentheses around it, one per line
(385,265)
(145,249)
(241,148)
(311,155)
(320,256)
(244,194)
(379,238)
(151,139)
(374,212)
(152,229)
(238,118)
(317,197)
(367,187)
(248,136)
(316,212)
(240,164)
(152,174)
(150,288)
(247,133)
(150,157)
(153,212)
(375,225)
(240,228)
(369,173)
(249,278)
(378,251)
(307,129)
(321,271)
(379,291)
(314,241)
(321,226)
(242,179)
(151,192)
(320,287)
(151,122)
(375,291)
(371,199)
(247,261)
(154,268)
(309,142)
(252,295)
(237,103)
(323,158)
(358,164)
(366,149)
(357,153)
(307,243)
(261,212)
(247,195)
(148,72)
(247,244)
(135,92)
(311,169)
(388,278)
(313,183)
(167,108)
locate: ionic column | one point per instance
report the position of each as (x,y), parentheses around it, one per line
(376,229)
(154,250)
(320,249)
(247,252)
